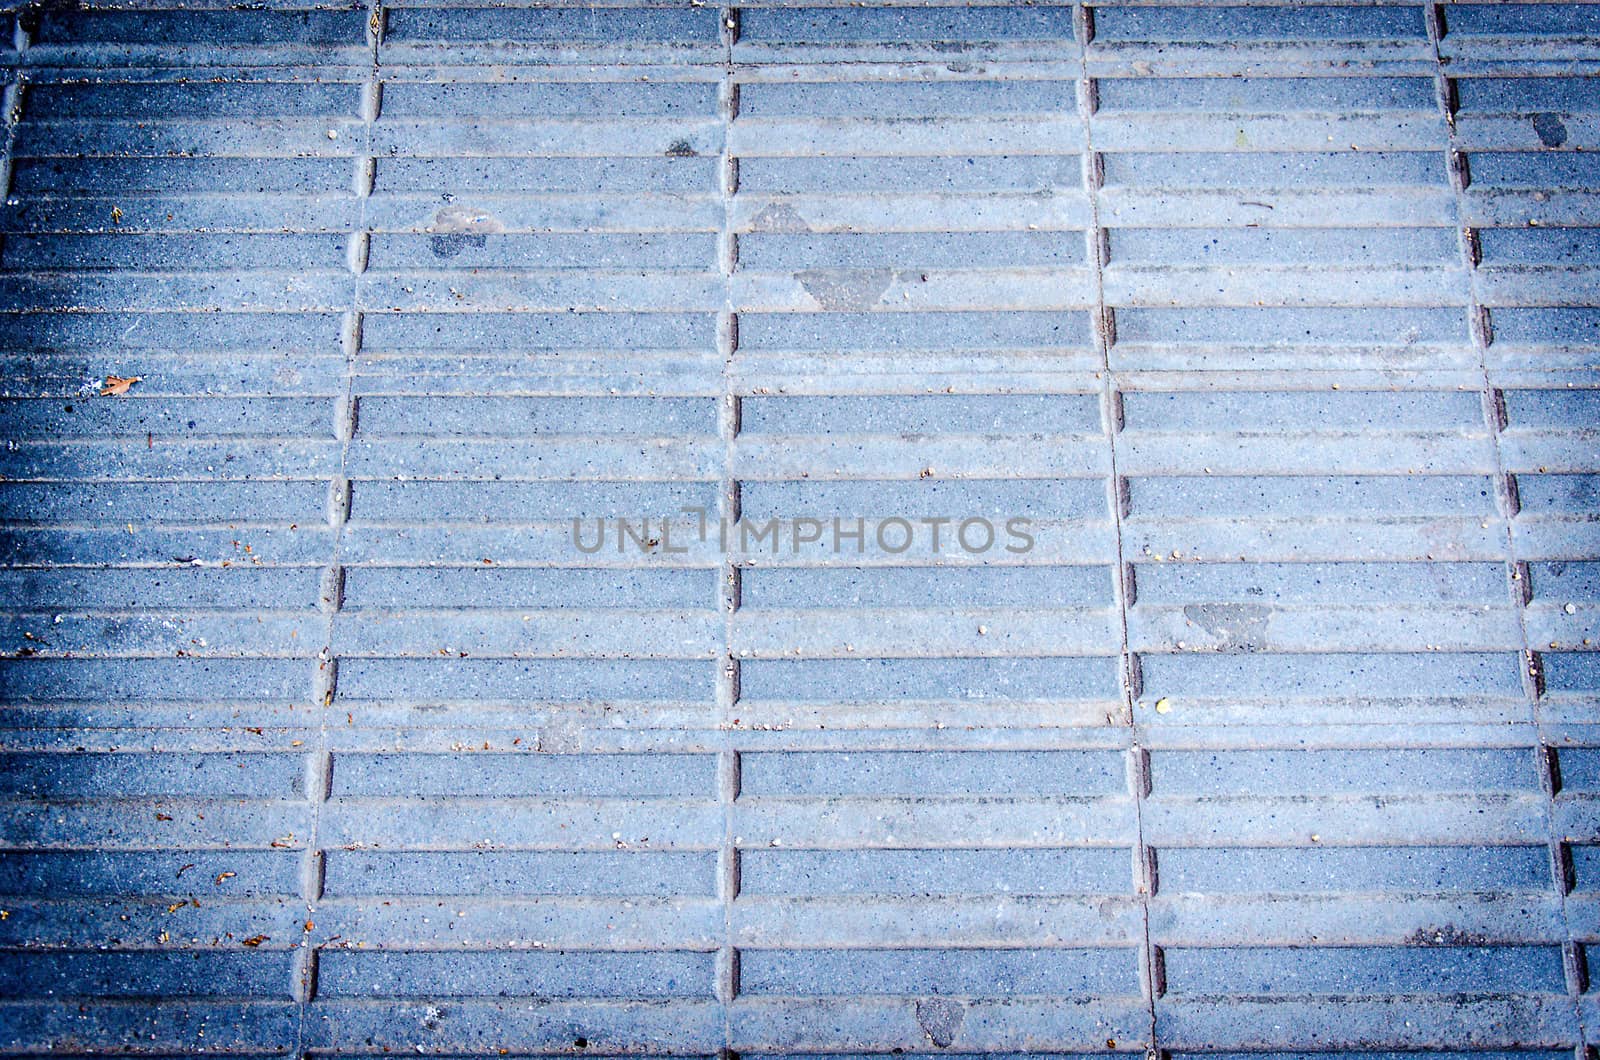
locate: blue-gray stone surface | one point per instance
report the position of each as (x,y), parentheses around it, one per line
(1264,340)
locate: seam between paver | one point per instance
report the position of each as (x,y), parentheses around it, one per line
(1480,331)
(727,691)
(1103,326)
(319,772)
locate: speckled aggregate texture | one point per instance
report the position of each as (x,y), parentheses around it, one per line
(1264,339)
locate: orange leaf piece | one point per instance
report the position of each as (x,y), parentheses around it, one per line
(116,385)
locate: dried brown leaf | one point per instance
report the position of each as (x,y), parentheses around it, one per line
(117,385)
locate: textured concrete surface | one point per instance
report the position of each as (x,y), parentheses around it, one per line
(1276,326)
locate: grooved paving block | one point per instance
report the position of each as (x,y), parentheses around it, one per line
(1220,23)
(520,873)
(926,872)
(1365,970)
(977,773)
(482,24)
(1214,870)
(551,974)
(812,530)
(805,24)
(119,874)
